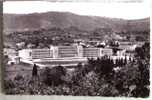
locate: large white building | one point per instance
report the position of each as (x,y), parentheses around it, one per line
(74,51)
(66,54)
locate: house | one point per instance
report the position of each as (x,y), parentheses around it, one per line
(20,45)
(93,42)
(14,60)
(101,44)
(125,43)
(128,47)
(30,45)
(78,40)
(12,55)
(10,52)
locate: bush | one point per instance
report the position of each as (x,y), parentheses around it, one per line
(9,84)
(53,76)
(18,77)
(141,92)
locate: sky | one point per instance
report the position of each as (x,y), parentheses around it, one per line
(113,10)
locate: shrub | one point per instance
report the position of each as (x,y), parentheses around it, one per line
(53,76)
(9,84)
(18,77)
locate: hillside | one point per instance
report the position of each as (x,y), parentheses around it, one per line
(36,21)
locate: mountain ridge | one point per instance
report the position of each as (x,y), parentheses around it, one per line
(36,21)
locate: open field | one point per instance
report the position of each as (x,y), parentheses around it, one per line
(13,70)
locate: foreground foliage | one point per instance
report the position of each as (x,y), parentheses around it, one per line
(96,78)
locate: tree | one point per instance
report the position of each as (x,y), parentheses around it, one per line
(139,52)
(143,52)
(53,76)
(34,71)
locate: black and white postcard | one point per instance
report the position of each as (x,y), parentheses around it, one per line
(76,48)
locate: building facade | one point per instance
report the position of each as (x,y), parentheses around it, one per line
(75,51)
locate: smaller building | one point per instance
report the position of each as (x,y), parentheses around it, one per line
(79,40)
(30,45)
(125,43)
(20,45)
(93,42)
(14,60)
(10,52)
(106,51)
(128,47)
(12,55)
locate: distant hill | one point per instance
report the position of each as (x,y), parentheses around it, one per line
(36,21)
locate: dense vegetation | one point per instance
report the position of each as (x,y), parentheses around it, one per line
(56,36)
(99,77)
